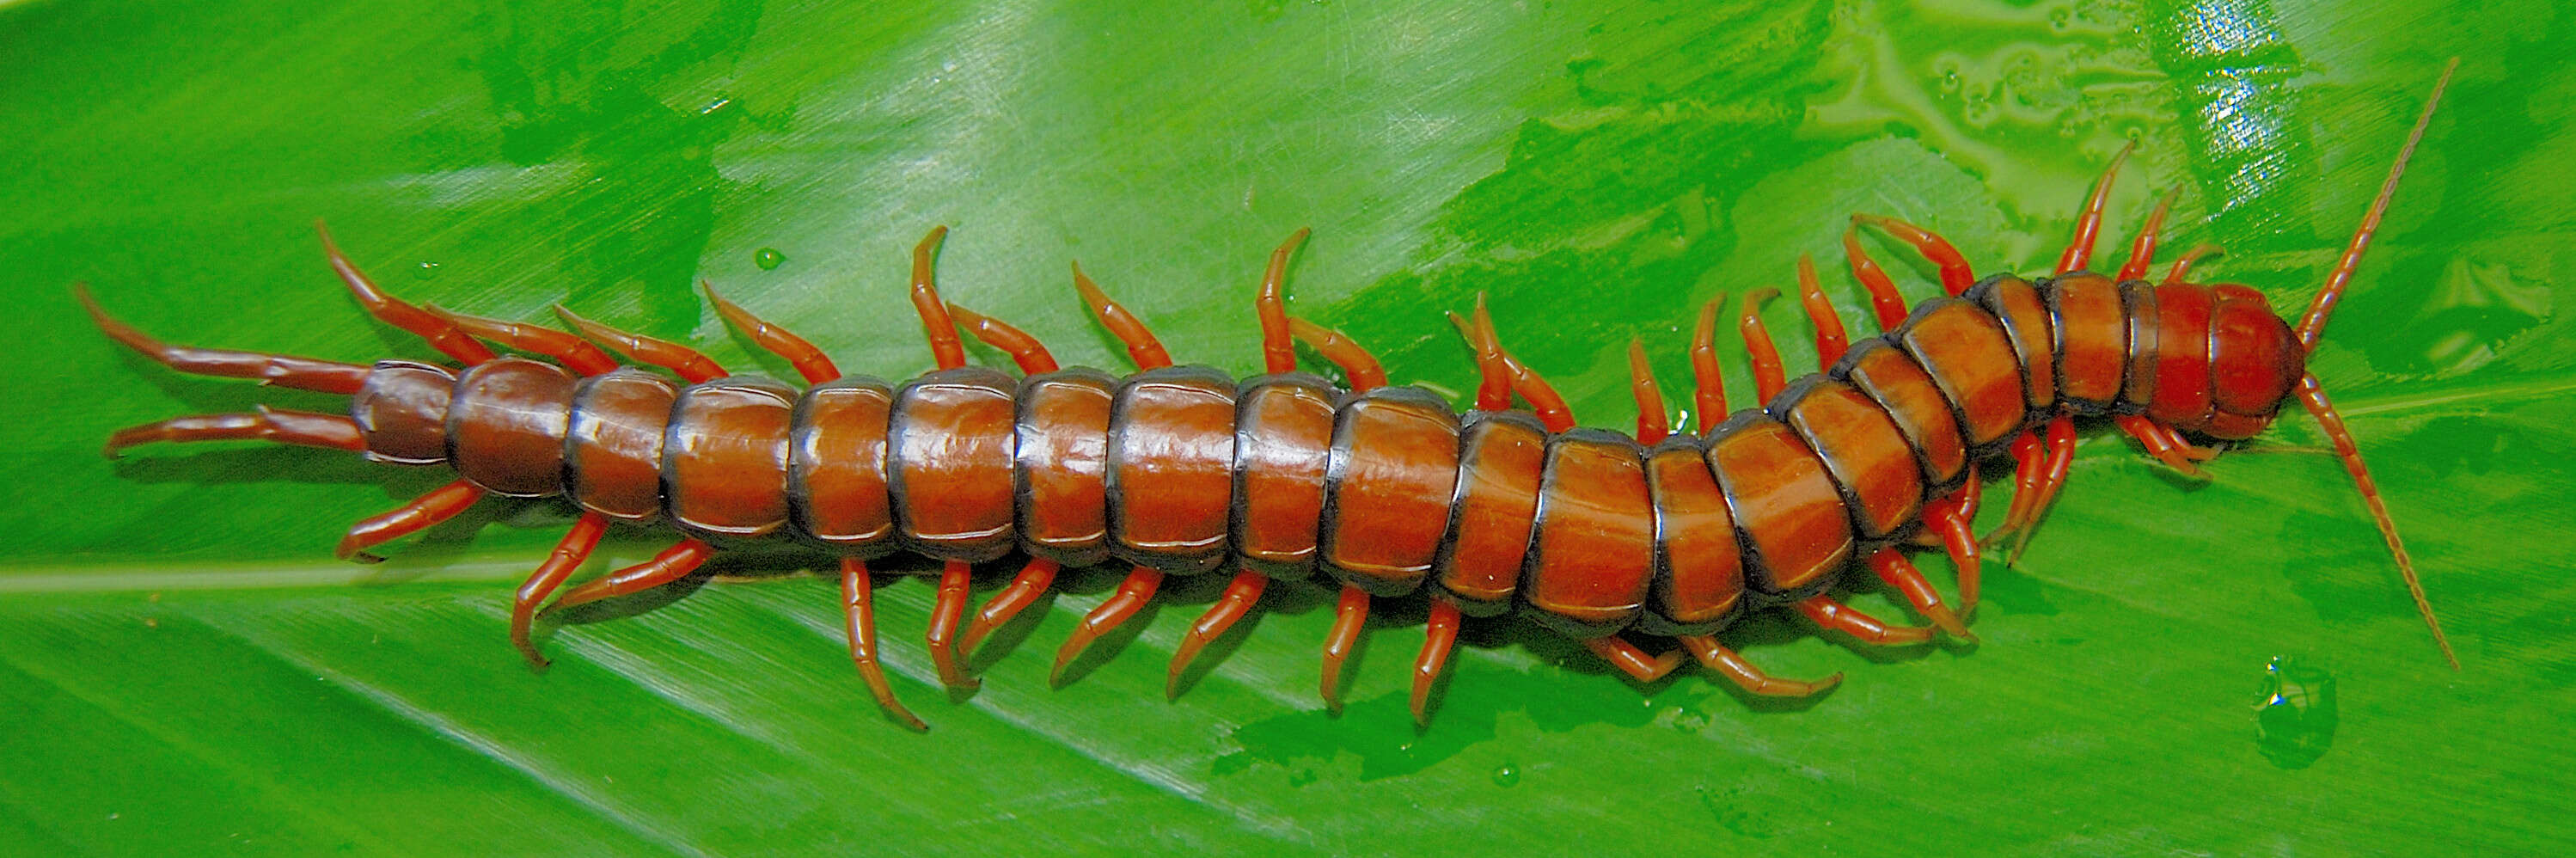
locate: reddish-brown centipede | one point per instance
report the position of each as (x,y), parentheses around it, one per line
(1180,470)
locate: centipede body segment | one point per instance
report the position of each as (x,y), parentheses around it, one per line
(1182,470)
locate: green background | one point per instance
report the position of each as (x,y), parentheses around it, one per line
(183,667)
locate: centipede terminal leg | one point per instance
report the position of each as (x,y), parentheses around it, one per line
(300,373)
(278,425)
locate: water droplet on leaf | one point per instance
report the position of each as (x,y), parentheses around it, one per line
(768,258)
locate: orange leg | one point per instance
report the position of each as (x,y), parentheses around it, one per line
(1025,350)
(2182,266)
(1357,365)
(1840,617)
(2061,461)
(2160,444)
(1024,590)
(300,373)
(2030,460)
(1948,520)
(685,361)
(1278,352)
(674,563)
(809,361)
(1633,661)
(392,311)
(301,428)
(1715,656)
(2313,397)
(1883,299)
(1708,386)
(1956,277)
(955,582)
(1652,425)
(1493,370)
(2089,226)
(1239,597)
(1439,635)
(857,607)
(1131,597)
(1768,375)
(1143,349)
(422,513)
(1898,572)
(575,353)
(945,348)
(2142,252)
(1831,342)
(568,555)
(1349,615)
(1543,398)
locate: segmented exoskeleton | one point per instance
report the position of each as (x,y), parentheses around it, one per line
(1181,470)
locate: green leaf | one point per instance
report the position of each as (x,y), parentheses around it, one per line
(184,667)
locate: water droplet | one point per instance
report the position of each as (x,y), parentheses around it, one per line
(1507,775)
(2294,723)
(426,271)
(768,258)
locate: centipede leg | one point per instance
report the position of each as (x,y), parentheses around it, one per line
(1024,590)
(2182,266)
(1956,276)
(674,563)
(2313,396)
(1633,661)
(1439,636)
(2030,466)
(2061,460)
(1831,342)
(857,606)
(1652,424)
(810,362)
(1948,521)
(1025,350)
(301,428)
(1543,399)
(1143,349)
(945,348)
(1768,375)
(573,352)
(955,583)
(1716,657)
(1708,386)
(1836,616)
(1358,367)
(1892,567)
(1349,616)
(300,373)
(422,513)
(1884,301)
(568,555)
(2142,251)
(1278,351)
(2089,226)
(1131,597)
(687,362)
(1238,599)
(2160,444)
(441,334)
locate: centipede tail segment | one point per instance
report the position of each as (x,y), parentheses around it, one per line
(1643,548)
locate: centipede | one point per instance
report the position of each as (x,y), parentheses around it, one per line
(1627,543)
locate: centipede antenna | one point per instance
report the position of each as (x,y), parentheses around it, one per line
(2313,323)
(2313,396)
